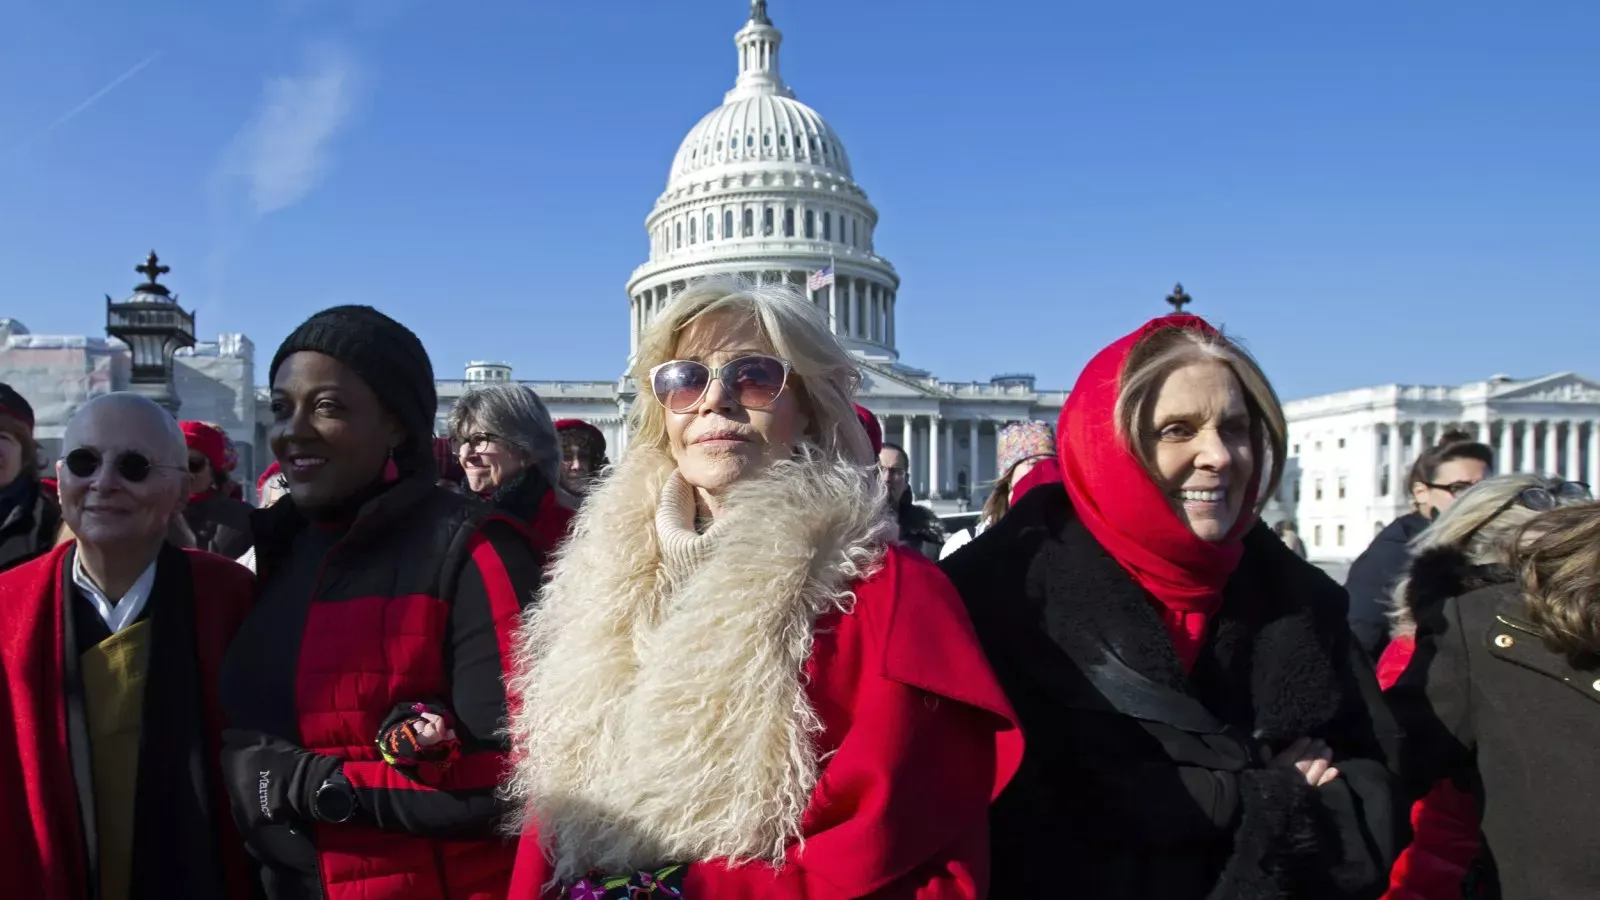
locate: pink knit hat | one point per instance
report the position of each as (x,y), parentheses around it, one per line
(1024,440)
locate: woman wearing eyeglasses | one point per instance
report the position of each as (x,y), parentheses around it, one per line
(379,592)
(1502,694)
(736,684)
(1454,464)
(1467,548)
(511,458)
(219,523)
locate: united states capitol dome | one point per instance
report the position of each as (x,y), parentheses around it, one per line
(761,188)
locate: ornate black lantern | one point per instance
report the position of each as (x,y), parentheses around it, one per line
(154,327)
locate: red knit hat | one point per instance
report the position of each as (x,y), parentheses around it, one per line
(581,425)
(874,430)
(12,404)
(208,442)
(261,482)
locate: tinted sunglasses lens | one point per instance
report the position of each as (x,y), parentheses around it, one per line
(755,380)
(1574,490)
(680,385)
(1457,488)
(196,466)
(83,463)
(133,467)
(1537,499)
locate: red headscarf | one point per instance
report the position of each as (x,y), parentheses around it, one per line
(1129,514)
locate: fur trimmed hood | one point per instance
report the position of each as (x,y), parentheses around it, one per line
(661,716)
(1436,575)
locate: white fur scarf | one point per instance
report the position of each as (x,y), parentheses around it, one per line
(666,720)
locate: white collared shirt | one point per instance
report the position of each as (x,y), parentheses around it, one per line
(122,613)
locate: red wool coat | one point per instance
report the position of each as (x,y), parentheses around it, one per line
(1444,823)
(922,740)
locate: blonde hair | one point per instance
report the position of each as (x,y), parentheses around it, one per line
(1482,524)
(1165,351)
(822,372)
(1559,567)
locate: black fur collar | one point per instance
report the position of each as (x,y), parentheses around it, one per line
(1268,663)
(1436,575)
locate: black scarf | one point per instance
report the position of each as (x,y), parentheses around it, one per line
(20,494)
(176,843)
(520,496)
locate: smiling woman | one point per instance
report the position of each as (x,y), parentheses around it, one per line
(1177,748)
(379,590)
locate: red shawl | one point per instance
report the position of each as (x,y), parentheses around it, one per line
(39,825)
(1126,511)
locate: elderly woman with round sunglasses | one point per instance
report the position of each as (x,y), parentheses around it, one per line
(111,648)
(736,684)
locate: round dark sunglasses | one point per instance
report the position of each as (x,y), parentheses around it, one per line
(133,466)
(754,382)
(1554,493)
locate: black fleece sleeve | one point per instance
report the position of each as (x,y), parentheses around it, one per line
(499,580)
(1431,701)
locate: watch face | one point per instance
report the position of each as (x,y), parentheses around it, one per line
(335,803)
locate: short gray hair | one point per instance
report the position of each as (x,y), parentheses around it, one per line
(515,414)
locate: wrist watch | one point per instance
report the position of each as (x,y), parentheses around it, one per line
(335,800)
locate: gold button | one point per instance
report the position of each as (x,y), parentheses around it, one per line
(1503,640)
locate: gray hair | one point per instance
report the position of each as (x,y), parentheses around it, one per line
(1482,524)
(516,415)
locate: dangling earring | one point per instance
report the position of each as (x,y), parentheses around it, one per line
(391,472)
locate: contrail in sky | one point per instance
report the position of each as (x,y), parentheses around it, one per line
(72,113)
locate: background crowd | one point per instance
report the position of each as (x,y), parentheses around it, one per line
(739,661)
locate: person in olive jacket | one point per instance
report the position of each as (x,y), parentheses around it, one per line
(1199,722)
(1503,693)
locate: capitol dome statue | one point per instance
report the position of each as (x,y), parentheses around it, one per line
(761,187)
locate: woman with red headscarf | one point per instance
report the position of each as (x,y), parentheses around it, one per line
(1199,723)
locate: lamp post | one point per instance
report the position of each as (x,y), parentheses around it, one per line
(154,327)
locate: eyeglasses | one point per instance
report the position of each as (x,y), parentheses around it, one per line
(480,440)
(133,466)
(1454,488)
(1555,493)
(754,382)
(892,472)
(196,466)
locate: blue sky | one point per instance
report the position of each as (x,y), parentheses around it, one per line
(1365,191)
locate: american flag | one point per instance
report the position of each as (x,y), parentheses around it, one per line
(821,278)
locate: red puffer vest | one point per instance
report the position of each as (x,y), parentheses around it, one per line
(376,635)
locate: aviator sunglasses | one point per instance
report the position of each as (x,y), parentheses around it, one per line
(133,466)
(754,382)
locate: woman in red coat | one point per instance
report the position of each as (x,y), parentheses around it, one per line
(736,685)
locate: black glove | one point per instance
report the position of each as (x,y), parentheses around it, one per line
(270,780)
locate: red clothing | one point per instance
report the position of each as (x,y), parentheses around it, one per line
(1046,471)
(1444,823)
(918,740)
(40,827)
(1128,513)
(549,525)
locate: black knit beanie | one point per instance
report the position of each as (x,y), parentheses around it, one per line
(12,404)
(388,357)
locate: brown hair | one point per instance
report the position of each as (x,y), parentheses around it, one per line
(1452,445)
(1557,559)
(1168,349)
(30,449)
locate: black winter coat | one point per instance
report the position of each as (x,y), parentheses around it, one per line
(1485,702)
(1141,781)
(1372,579)
(28,528)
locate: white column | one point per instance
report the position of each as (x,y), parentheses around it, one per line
(1529,464)
(905,436)
(1397,486)
(1506,456)
(1594,455)
(947,441)
(1416,451)
(1552,449)
(1573,470)
(935,425)
(972,457)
